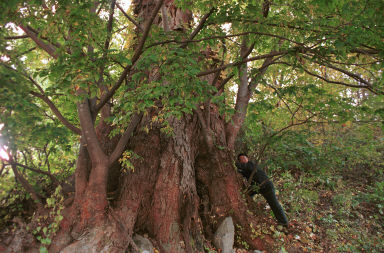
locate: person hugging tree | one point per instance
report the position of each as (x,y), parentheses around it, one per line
(260,183)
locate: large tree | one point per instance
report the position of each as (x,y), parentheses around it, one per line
(145,92)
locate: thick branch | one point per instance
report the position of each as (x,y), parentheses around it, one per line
(242,99)
(242,92)
(46,47)
(243,95)
(2,167)
(120,147)
(135,57)
(88,131)
(266,6)
(57,45)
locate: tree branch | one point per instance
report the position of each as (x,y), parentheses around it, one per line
(44,38)
(267,62)
(32,169)
(365,51)
(224,37)
(2,167)
(200,25)
(106,46)
(226,80)
(51,105)
(280,131)
(120,147)
(335,82)
(135,57)
(27,186)
(281,98)
(350,74)
(46,47)
(109,25)
(243,95)
(260,57)
(129,18)
(88,131)
(16,37)
(25,52)
(242,92)
(341,83)
(291,125)
(56,112)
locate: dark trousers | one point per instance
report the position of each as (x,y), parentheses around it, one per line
(268,192)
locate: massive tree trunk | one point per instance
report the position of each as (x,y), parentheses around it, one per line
(179,191)
(181,187)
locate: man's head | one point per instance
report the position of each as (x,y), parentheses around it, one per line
(242,158)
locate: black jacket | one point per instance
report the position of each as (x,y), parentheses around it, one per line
(259,177)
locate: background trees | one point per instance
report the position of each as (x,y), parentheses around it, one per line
(159,93)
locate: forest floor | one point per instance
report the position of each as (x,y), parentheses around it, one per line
(334,212)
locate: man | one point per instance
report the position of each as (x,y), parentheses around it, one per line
(264,186)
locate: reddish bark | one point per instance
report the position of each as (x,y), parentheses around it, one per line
(163,198)
(165,203)
(164,218)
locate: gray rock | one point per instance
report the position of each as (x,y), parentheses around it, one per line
(225,236)
(144,245)
(257,251)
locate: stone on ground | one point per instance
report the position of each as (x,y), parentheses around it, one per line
(225,236)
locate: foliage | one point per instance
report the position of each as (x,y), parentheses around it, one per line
(45,226)
(328,175)
(376,195)
(338,219)
(314,118)
(126,161)
(14,201)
